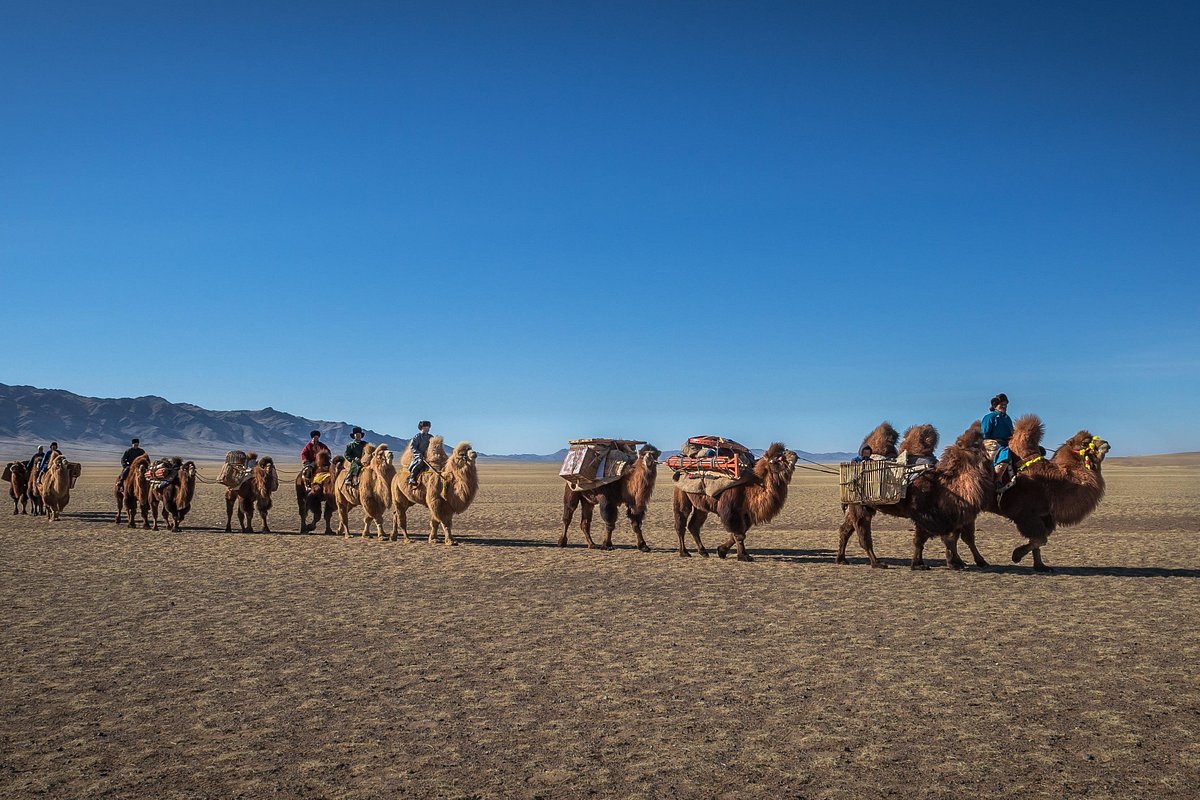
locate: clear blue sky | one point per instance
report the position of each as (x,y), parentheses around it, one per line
(537,221)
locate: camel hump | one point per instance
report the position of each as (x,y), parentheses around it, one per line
(919,441)
(1028,432)
(882,440)
(435,453)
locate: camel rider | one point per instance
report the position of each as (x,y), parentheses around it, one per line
(864,454)
(128,457)
(354,453)
(36,461)
(997,430)
(418,445)
(47,457)
(308,456)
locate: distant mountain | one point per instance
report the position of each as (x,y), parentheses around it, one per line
(31,415)
(93,425)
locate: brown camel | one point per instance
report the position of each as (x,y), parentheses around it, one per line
(1047,493)
(133,493)
(375,489)
(54,487)
(347,496)
(253,493)
(175,497)
(939,501)
(312,496)
(633,491)
(17,475)
(447,488)
(739,507)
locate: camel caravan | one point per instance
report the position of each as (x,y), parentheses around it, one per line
(995,466)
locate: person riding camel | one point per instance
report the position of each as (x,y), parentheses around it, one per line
(308,456)
(47,457)
(418,445)
(354,453)
(997,430)
(128,457)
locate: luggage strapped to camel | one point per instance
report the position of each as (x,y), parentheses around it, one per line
(880,481)
(234,471)
(710,465)
(592,463)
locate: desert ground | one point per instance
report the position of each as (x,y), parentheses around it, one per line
(206,664)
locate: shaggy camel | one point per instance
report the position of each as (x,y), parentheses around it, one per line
(175,498)
(1062,490)
(347,496)
(254,492)
(375,489)
(134,492)
(447,488)
(54,488)
(311,497)
(633,491)
(17,475)
(739,507)
(939,501)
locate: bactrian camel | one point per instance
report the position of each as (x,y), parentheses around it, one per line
(447,488)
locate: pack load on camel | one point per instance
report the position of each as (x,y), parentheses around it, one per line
(710,465)
(591,463)
(163,471)
(237,469)
(882,476)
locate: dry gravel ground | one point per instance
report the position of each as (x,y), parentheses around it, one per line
(206,664)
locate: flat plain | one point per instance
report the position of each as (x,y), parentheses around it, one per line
(206,664)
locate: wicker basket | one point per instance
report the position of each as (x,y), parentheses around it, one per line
(873,482)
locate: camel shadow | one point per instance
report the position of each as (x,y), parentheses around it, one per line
(1105,571)
(508,541)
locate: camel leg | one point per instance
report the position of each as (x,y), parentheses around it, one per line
(608,514)
(742,555)
(585,523)
(1034,530)
(953,560)
(737,524)
(1038,564)
(635,522)
(680,506)
(229,513)
(570,503)
(845,530)
(263,515)
(695,523)
(967,534)
(918,559)
(154,511)
(145,508)
(329,509)
(447,523)
(400,516)
(343,520)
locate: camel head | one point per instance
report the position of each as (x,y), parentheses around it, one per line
(463,456)
(267,474)
(779,460)
(648,455)
(1091,448)
(323,460)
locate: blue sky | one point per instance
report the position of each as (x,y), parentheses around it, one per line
(537,221)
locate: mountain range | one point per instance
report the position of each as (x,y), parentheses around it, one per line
(93,425)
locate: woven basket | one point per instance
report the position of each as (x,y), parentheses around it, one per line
(873,482)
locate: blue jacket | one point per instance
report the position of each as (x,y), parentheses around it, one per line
(999,426)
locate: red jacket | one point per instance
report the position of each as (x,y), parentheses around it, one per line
(309,453)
